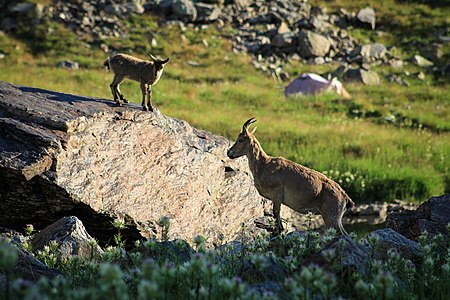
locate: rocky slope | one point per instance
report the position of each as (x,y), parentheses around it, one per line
(64,154)
(273,33)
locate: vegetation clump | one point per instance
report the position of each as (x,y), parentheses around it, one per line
(263,268)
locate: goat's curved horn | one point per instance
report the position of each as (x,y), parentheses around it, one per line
(248,123)
(154,58)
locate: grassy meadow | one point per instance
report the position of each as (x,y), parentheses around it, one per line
(388,142)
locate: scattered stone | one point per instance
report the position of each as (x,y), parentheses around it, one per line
(68,65)
(30,10)
(389,239)
(422,61)
(283,40)
(353,257)
(420,75)
(283,28)
(319,60)
(397,64)
(396,79)
(312,44)
(367,77)
(120,10)
(2,55)
(434,52)
(184,10)
(373,52)
(70,235)
(207,12)
(104,47)
(28,267)
(8,24)
(366,17)
(431,216)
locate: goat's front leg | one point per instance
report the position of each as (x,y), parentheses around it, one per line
(121,96)
(149,95)
(115,88)
(144,94)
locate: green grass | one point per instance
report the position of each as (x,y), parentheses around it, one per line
(404,157)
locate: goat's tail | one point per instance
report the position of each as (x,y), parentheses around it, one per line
(106,63)
(349,202)
(341,227)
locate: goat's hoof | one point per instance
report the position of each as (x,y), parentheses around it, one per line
(144,108)
(118,104)
(125,100)
(151,108)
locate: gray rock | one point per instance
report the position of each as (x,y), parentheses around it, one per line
(420,75)
(389,239)
(12,236)
(83,156)
(373,52)
(422,61)
(207,12)
(349,255)
(8,24)
(396,63)
(135,7)
(283,40)
(283,28)
(367,77)
(433,52)
(312,44)
(184,10)
(366,17)
(243,3)
(396,79)
(68,65)
(31,10)
(27,266)
(161,6)
(71,237)
(431,216)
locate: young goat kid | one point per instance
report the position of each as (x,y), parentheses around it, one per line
(285,182)
(147,73)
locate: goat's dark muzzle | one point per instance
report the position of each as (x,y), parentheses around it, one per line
(230,154)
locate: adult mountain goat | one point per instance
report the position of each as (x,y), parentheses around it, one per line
(285,182)
(147,73)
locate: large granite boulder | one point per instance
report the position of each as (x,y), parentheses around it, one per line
(67,155)
(432,216)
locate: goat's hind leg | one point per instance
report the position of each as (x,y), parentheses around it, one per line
(332,212)
(276,202)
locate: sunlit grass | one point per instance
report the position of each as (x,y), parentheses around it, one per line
(397,158)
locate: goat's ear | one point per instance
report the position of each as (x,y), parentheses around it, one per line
(165,61)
